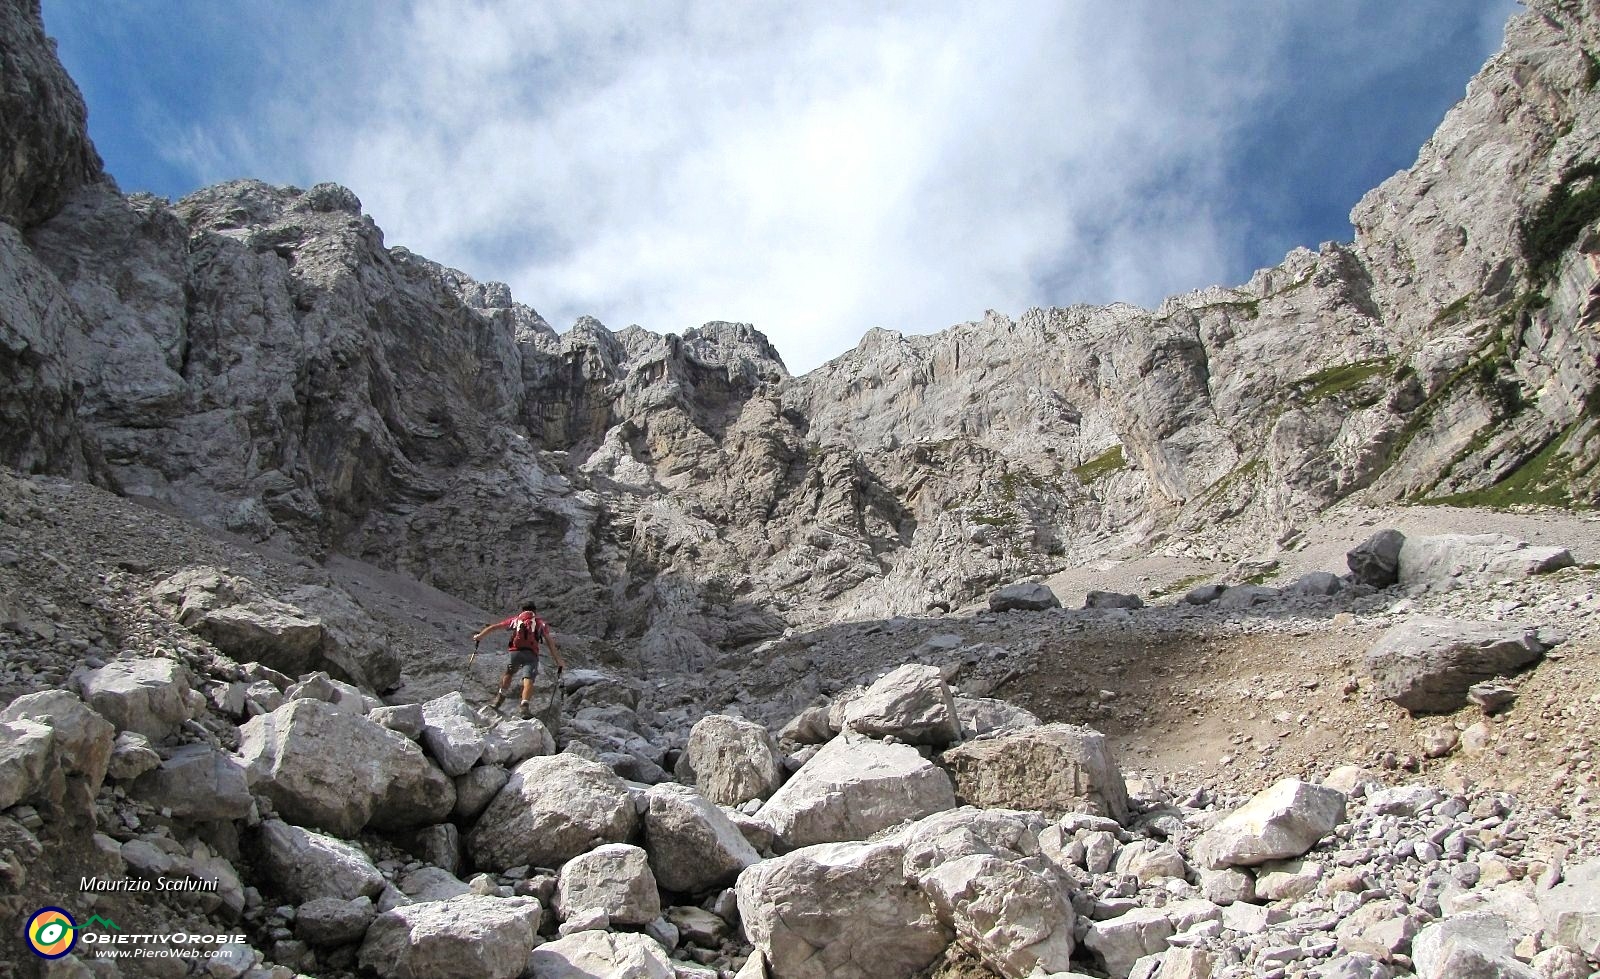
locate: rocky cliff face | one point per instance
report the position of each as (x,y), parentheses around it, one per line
(261,360)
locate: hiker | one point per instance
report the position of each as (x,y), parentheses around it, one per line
(527,629)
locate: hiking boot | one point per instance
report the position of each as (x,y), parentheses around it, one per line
(499,699)
(527,710)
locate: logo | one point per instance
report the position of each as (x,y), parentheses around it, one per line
(51,932)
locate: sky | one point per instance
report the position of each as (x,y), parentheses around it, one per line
(815,169)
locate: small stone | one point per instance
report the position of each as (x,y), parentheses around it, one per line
(1437,742)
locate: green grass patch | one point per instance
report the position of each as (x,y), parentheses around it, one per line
(1543,480)
(1340,379)
(1001,520)
(1452,311)
(1571,206)
(1101,466)
(1484,369)
(1248,308)
(1181,585)
(1239,474)
(1012,481)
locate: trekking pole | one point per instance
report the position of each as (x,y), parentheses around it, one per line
(474,654)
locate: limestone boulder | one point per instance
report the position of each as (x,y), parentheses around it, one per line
(1024,597)
(840,911)
(231,615)
(467,937)
(1283,821)
(403,719)
(851,789)
(334,770)
(1247,596)
(307,865)
(329,922)
(512,742)
(697,926)
(476,789)
(432,884)
(131,756)
(1316,584)
(602,955)
(1571,910)
(1123,940)
(196,782)
(83,738)
(551,809)
(731,760)
(1427,664)
(27,757)
(1112,599)
(439,845)
(985,715)
(1476,945)
(1052,768)
(987,880)
(693,846)
(614,878)
(912,704)
(453,733)
(1204,594)
(146,696)
(1436,558)
(308,629)
(810,726)
(339,693)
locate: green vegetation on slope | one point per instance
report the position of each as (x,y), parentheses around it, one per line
(1101,465)
(1544,479)
(1340,378)
(1571,206)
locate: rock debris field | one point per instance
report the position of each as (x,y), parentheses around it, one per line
(1384,769)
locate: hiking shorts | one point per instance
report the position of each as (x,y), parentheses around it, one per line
(525,660)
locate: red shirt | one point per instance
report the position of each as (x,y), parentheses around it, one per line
(527,637)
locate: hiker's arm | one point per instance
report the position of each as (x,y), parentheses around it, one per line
(550,642)
(493,627)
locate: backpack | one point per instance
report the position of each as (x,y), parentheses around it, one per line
(527,630)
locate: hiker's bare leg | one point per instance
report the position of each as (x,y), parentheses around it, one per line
(527,688)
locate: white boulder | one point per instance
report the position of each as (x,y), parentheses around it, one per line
(1283,821)
(851,789)
(731,760)
(307,865)
(601,955)
(840,911)
(147,696)
(466,937)
(693,845)
(984,873)
(614,878)
(551,809)
(83,738)
(338,771)
(911,703)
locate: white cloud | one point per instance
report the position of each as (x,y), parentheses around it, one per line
(816,169)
